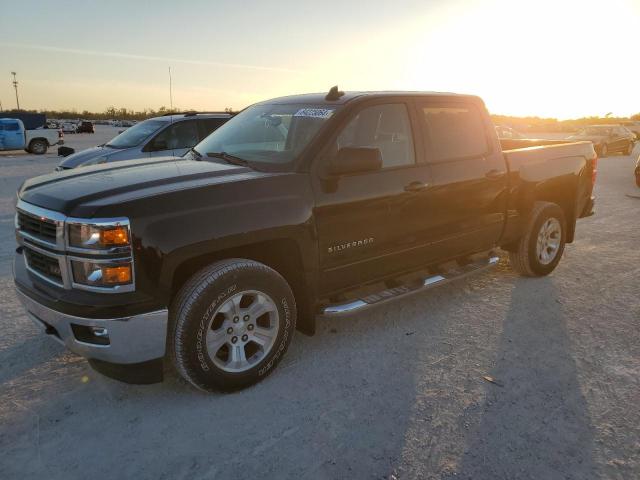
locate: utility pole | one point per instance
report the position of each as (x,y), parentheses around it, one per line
(170,92)
(15,85)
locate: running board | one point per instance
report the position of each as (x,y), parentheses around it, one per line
(402,291)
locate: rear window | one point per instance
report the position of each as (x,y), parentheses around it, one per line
(454,132)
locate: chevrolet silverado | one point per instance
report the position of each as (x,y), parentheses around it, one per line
(297,208)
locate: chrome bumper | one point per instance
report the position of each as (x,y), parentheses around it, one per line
(134,339)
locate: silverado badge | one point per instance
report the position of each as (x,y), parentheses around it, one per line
(356,243)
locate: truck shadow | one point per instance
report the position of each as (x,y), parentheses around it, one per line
(536,423)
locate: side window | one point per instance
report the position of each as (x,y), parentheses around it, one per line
(11,126)
(454,132)
(179,135)
(386,127)
(208,125)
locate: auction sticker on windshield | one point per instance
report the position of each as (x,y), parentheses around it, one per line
(314,112)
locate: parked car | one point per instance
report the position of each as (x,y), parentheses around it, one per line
(508,132)
(155,137)
(607,139)
(301,205)
(633,126)
(68,127)
(85,127)
(13,136)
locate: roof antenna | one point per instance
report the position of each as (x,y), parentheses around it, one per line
(334,94)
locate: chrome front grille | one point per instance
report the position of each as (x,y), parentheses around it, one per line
(44,265)
(43,237)
(42,228)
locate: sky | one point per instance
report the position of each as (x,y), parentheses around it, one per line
(549,58)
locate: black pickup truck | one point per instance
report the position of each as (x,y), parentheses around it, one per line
(299,207)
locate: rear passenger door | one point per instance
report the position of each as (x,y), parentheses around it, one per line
(366,221)
(466,202)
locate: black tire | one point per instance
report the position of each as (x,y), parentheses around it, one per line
(604,150)
(38,146)
(191,318)
(525,258)
(629,149)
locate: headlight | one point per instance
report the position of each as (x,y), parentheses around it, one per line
(98,236)
(101,274)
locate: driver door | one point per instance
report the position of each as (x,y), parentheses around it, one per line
(365,220)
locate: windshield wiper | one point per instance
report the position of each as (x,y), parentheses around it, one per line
(229,158)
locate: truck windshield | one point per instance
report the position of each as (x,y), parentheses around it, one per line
(136,134)
(265,133)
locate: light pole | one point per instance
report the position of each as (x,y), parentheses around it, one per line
(15,85)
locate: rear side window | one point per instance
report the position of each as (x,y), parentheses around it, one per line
(386,127)
(208,125)
(11,126)
(454,132)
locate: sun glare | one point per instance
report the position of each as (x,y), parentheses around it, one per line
(545,58)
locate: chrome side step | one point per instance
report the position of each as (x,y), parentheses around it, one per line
(390,294)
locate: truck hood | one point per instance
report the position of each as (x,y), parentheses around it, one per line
(76,159)
(81,192)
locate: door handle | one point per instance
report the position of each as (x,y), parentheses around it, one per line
(416,187)
(495,174)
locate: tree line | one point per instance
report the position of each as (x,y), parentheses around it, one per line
(111,113)
(523,124)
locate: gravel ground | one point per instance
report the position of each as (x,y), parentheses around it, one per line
(397,392)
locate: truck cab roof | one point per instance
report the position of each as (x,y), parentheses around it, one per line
(320,98)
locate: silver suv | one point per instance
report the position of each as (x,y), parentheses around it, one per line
(155,137)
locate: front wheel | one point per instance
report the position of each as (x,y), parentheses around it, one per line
(604,150)
(540,248)
(38,147)
(629,149)
(231,324)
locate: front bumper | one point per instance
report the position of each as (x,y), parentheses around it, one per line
(133,339)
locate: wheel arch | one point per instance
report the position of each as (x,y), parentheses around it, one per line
(45,140)
(563,191)
(284,255)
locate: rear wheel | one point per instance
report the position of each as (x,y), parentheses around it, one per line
(38,146)
(604,150)
(540,248)
(231,324)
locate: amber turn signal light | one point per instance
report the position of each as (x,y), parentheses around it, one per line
(114,236)
(111,275)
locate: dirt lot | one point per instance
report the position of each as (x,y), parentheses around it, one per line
(397,392)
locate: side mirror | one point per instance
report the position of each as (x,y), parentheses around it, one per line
(159,145)
(355,160)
